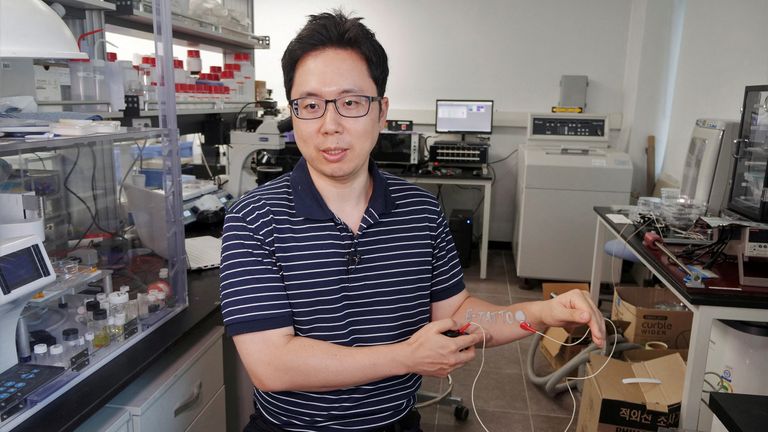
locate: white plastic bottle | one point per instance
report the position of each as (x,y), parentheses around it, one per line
(194,64)
(40,354)
(115,82)
(56,356)
(247,73)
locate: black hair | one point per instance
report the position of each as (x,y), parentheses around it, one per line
(336,30)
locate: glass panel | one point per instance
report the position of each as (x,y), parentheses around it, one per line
(750,175)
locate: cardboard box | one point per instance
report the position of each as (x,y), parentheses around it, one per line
(648,323)
(640,355)
(560,288)
(609,405)
(557,354)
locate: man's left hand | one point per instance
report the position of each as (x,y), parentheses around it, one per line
(572,309)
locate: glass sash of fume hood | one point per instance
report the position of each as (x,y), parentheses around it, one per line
(749,190)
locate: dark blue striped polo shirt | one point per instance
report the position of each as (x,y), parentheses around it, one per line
(287,260)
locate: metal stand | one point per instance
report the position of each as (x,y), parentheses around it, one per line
(446,398)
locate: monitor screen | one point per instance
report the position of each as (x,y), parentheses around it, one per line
(18,269)
(464,116)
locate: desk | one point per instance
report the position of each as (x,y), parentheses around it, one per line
(707,305)
(740,412)
(486,183)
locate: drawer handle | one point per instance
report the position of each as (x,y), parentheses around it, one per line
(187,404)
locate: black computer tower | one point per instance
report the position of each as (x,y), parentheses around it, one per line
(460,224)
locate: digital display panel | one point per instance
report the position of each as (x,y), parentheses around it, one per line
(18,269)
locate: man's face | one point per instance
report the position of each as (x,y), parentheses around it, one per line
(336,148)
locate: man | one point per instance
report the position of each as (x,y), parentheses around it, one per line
(337,280)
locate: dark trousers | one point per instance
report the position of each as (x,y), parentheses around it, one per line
(408,423)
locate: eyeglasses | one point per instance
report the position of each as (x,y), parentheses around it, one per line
(352,106)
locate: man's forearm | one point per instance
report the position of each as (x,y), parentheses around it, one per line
(305,364)
(500,323)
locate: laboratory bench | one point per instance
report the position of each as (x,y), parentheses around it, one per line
(75,406)
(722,298)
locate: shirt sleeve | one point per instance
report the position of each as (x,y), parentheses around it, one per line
(253,296)
(447,276)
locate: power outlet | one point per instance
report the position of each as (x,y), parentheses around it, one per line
(141,122)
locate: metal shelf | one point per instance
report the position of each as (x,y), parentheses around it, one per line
(125,134)
(86,4)
(185,28)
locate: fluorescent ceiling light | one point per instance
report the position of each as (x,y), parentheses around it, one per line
(31,29)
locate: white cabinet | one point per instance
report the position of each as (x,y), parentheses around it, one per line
(183,391)
(108,419)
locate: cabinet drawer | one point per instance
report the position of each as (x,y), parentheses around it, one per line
(173,392)
(108,419)
(213,417)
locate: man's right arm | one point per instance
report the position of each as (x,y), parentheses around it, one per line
(277,360)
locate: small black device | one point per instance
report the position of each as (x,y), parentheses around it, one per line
(460,224)
(452,333)
(399,125)
(459,154)
(399,148)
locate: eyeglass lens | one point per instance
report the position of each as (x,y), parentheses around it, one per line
(347,106)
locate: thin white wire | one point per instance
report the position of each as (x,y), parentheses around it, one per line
(573,398)
(482,362)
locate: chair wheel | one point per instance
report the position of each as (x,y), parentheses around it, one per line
(461,413)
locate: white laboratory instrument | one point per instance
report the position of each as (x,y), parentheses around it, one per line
(24,270)
(21,214)
(708,163)
(249,153)
(564,170)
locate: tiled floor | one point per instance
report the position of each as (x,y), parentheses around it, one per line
(505,400)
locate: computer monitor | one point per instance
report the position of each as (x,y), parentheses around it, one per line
(464,116)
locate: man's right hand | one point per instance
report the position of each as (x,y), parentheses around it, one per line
(430,353)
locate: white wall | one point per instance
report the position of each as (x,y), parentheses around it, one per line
(511,51)
(722,50)
(660,64)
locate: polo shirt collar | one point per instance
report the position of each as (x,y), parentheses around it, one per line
(309,203)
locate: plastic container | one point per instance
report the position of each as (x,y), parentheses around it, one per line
(161,284)
(131,78)
(70,336)
(40,354)
(100,329)
(152,303)
(247,73)
(239,87)
(161,300)
(82,316)
(103,300)
(143,302)
(179,74)
(194,64)
(56,356)
(118,301)
(228,80)
(91,307)
(117,327)
(115,82)
(82,84)
(100,80)
(89,337)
